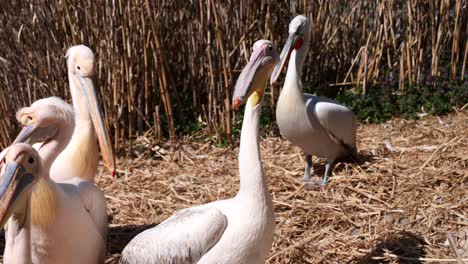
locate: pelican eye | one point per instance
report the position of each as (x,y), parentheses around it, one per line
(299,30)
(31,160)
(78,67)
(26,119)
(270,47)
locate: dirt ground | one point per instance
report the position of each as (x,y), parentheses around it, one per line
(403,202)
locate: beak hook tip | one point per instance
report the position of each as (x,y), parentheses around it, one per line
(236,104)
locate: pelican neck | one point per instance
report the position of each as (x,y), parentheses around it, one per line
(252,181)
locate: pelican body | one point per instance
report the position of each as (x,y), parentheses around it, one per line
(237,230)
(318,125)
(48,222)
(81,156)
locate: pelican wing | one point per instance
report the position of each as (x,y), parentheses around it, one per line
(86,204)
(94,202)
(183,238)
(337,120)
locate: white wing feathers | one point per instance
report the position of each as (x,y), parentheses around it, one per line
(183,238)
(94,202)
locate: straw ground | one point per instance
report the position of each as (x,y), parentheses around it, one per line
(404,201)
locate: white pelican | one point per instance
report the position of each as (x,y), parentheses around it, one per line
(3,153)
(81,156)
(237,230)
(318,125)
(49,222)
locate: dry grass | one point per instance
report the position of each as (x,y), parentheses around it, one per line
(404,199)
(163,64)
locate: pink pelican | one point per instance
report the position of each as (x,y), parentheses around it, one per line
(318,125)
(48,222)
(237,230)
(81,156)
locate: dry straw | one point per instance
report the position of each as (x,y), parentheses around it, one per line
(405,202)
(163,64)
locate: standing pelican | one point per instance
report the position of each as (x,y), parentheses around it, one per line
(237,230)
(81,156)
(318,125)
(48,222)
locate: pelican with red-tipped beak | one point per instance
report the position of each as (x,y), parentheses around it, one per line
(236,230)
(81,156)
(318,125)
(48,222)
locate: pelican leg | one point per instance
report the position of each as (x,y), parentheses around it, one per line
(308,167)
(328,170)
(311,183)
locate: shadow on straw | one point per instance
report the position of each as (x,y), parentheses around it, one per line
(119,236)
(404,244)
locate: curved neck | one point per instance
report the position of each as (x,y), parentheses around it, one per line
(294,73)
(82,152)
(252,181)
(45,196)
(18,237)
(54,146)
(295,64)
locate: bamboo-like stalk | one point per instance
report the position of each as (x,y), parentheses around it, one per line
(164,86)
(465,60)
(455,40)
(184,57)
(226,68)
(157,122)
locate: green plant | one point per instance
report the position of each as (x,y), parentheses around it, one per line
(382,102)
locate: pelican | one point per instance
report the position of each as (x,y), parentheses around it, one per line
(237,230)
(318,125)
(81,156)
(48,222)
(3,153)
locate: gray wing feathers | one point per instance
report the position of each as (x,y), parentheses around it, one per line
(337,120)
(183,238)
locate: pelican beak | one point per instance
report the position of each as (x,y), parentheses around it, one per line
(15,181)
(32,134)
(294,41)
(99,126)
(254,75)
(2,155)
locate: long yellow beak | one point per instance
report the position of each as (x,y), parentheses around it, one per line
(14,182)
(99,126)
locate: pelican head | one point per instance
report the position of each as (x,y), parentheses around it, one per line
(42,120)
(80,61)
(17,177)
(254,76)
(298,36)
